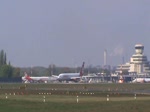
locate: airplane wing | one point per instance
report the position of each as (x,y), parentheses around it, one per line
(55,76)
(76,79)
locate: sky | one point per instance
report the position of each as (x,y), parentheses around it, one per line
(68,32)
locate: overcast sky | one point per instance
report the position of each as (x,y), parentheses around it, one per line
(68,32)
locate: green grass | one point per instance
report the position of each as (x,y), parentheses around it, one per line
(12,105)
(63,98)
(98,87)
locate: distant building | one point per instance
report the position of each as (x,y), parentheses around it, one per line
(138,64)
(108,67)
(123,69)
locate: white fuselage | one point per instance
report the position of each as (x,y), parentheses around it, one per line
(68,76)
(38,79)
(141,80)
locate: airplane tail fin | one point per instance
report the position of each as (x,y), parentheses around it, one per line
(26,75)
(82,69)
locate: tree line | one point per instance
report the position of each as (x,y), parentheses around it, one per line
(6,69)
(9,71)
(55,70)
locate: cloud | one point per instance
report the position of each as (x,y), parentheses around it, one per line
(117,51)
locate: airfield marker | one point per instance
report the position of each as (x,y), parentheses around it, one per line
(135,96)
(44,99)
(77,99)
(107,97)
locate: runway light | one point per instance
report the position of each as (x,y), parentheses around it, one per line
(107,97)
(135,96)
(77,99)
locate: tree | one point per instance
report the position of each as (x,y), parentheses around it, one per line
(5,59)
(16,72)
(1,57)
(6,71)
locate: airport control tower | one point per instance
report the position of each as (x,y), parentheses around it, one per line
(139,48)
(138,61)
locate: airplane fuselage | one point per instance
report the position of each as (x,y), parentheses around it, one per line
(38,79)
(141,80)
(68,76)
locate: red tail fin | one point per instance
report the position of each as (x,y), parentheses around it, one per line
(82,69)
(26,76)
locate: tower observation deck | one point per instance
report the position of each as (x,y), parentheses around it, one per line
(139,48)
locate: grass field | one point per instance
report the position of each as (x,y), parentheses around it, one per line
(63,98)
(34,103)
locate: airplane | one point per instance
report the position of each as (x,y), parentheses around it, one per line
(27,79)
(141,80)
(76,77)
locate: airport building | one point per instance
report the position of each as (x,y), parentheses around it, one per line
(138,65)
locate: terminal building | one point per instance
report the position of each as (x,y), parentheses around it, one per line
(138,65)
